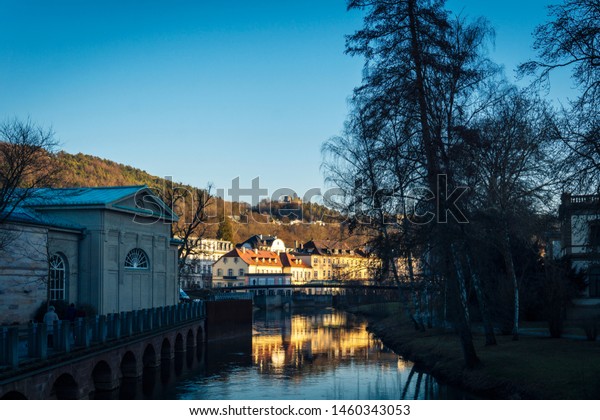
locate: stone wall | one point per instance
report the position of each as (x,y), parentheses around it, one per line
(23,273)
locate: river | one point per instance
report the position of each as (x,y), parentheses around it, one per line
(311,354)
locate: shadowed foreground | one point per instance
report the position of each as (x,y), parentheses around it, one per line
(531,368)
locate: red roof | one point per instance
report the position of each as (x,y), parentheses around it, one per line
(261,258)
(290,260)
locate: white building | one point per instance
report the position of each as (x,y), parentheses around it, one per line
(197,271)
(264,243)
(580,237)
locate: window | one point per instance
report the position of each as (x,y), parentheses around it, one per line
(230,272)
(235,260)
(136,258)
(241,272)
(224,260)
(219,272)
(316,274)
(594,235)
(315,261)
(594,281)
(58,274)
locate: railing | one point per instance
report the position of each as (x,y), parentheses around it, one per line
(232,296)
(583,199)
(24,345)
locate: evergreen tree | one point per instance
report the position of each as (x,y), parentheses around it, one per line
(225,230)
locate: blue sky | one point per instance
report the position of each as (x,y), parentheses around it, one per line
(204,91)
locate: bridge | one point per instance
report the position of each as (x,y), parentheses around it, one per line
(324,286)
(97,354)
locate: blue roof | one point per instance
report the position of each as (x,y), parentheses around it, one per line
(90,196)
(30,216)
(31,209)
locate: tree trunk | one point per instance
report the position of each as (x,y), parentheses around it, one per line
(464,324)
(488,327)
(512,277)
(417,316)
(470,356)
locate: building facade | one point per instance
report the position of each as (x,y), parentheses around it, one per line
(197,271)
(580,238)
(110,248)
(332,260)
(232,268)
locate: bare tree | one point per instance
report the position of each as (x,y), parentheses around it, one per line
(511,150)
(27,162)
(375,167)
(572,41)
(191,206)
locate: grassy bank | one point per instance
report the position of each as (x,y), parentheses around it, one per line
(531,368)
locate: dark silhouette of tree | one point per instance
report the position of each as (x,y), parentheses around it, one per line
(423,71)
(511,164)
(27,162)
(571,40)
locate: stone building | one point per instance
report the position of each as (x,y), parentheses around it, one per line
(108,247)
(580,238)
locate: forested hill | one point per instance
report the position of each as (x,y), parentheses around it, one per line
(90,171)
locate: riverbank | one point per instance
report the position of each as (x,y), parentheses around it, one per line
(530,368)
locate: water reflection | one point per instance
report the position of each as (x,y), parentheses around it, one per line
(321,354)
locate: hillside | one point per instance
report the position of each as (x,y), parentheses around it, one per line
(268,218)
(90,171)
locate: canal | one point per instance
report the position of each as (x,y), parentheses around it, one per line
(298,354)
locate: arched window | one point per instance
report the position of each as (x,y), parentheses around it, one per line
(136,258)
(58,277)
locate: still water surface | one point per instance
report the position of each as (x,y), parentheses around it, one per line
(318,354)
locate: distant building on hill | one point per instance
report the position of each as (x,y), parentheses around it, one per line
(264,243)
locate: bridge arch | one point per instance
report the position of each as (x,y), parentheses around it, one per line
(103,377)
(129,365)
(65,388)
(13,395)
(149,358)
(189,340)
(179,348)
(165,350)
